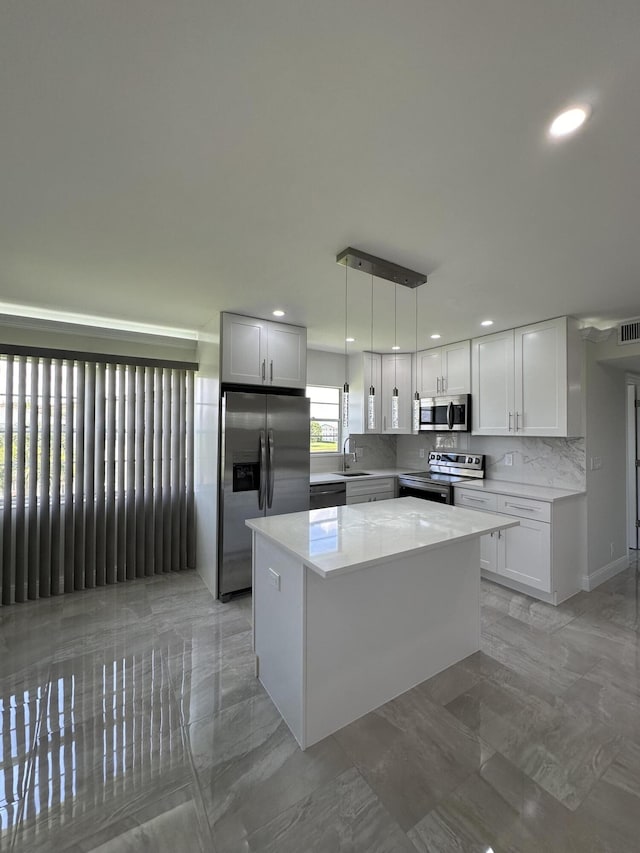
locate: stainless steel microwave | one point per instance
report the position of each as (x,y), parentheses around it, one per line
(445,414)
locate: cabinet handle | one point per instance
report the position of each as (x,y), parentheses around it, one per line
(264,369)
(444,384)
(510,416)
(517,417)
(477,500)
(271,370)
(499,534)
(519,506)
(437,384)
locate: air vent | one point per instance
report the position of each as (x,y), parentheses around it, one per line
(629,332)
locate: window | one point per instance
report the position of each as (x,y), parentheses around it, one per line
(325,419)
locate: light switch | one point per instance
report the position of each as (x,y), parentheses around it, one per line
(274,578)
(508,458)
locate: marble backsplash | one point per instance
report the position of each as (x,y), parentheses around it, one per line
(374,451)
(558,462)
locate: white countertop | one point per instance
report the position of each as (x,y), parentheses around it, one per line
(367,474)
(340,539)
(519,490)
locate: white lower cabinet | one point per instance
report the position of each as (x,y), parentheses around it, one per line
(541,556)
(524,554)
(364,491)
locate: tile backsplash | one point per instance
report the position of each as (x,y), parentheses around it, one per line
(378,451)
(558,462)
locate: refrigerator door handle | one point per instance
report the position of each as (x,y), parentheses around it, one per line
(263,471)
(272,471)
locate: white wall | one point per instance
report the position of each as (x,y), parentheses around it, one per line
(30,332)
(207,389)
(325,368)
(605,440)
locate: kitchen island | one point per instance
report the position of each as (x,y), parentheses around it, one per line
(353,605)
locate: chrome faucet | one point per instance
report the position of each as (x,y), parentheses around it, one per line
(344,453)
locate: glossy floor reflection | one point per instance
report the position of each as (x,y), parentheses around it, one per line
(131,720)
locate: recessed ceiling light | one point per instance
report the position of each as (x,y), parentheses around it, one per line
(350,340)
(278,313)
(569,121)
(487,323)
(436,337)
(396,347)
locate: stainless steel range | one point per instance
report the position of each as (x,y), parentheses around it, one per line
(445,471)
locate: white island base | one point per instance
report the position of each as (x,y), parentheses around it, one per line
(333,645)
(333,650)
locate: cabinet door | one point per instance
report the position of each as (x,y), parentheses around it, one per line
(429,368)
(541,378)
(244,349)
(456,368)
(526,554)
(396,372)
(489,552)
(492,385)
(286,356)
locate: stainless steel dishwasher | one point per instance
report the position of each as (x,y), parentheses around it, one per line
(327,494)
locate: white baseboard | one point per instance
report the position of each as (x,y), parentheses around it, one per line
(605,572)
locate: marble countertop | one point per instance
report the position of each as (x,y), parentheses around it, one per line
(520,490)
(341,539)
(367,474)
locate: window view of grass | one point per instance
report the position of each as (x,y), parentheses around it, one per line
(324,433)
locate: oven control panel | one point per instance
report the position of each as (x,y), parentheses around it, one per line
(465,464)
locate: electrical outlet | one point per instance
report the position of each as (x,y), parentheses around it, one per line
(360,452)
(422,453)
(508,458)
(596,463)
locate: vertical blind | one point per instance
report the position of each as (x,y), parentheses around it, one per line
(96,470)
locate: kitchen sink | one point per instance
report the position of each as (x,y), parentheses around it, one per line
(353,473)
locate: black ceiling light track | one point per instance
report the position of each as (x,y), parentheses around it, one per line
(380,268)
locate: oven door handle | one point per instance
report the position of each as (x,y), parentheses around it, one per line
(450,415)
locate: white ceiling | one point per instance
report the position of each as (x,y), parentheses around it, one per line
(162,161)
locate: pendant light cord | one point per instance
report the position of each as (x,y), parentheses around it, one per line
(346,309)
(371,312)
(395,336)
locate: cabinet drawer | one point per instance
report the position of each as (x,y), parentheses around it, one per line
(475,499)
(369,498)
(524,508)
(370,486)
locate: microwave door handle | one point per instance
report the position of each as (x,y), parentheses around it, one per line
(263,471)
(450,416)
(272,472)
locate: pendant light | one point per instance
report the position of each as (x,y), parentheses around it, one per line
(416,397)
(345,388)
(371,399)
(395,417)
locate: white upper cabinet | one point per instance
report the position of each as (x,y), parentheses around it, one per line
(258,352)
(541,379)
(492,403)
(365,370)
(527,381)
(396,372)
(444,370)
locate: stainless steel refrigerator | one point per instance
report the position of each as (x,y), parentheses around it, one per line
(264,470)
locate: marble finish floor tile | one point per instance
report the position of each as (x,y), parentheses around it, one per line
(547,658)
(344,815)
(132,720)
(412,752)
